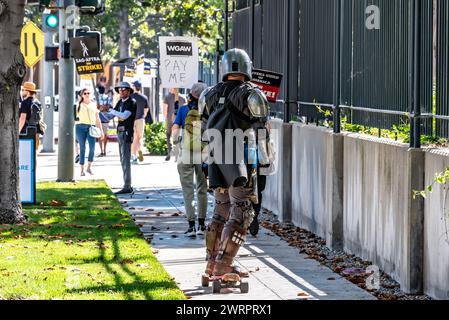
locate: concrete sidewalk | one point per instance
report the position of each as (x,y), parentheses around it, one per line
(277,271)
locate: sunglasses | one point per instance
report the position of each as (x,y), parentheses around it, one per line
(86,94)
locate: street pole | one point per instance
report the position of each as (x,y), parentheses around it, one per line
(226,31)
(158,81)
(48,95)
(66,101)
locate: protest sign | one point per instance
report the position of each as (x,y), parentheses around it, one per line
(179,61)
(269,82)
(86,54)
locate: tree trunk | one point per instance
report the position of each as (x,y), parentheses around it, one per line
(124,32)
(12,71)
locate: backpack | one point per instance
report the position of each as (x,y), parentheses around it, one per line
(36,117)
(192,130)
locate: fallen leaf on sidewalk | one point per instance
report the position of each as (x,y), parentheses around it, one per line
(188,297)
(330,279)
(155,251)
(176,214)
(132,208)
(149,210)
(174,236)
(303,294)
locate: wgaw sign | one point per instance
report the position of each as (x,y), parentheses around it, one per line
(179,61)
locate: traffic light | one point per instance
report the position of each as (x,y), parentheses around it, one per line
(50,22)
(92,7)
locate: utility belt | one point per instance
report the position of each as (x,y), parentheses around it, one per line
(128,133)
(123,129)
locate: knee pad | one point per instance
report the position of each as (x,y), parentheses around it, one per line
(242,212)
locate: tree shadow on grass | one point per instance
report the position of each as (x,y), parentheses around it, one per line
(138,284)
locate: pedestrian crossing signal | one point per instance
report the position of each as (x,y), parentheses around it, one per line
(52,53)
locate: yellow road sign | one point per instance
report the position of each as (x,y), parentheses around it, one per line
(32,44)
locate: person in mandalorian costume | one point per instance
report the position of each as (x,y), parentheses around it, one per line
(230,107)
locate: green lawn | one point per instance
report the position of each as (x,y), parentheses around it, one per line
(79,244)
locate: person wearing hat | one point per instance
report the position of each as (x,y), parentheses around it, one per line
(139,123)
(190,170)
(125,111)
(28,93)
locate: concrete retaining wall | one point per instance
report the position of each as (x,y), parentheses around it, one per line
(382,223)
(317,182)
(277,195)
(357,193)
(436,226)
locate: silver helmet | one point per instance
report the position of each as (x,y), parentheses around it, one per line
(236,61)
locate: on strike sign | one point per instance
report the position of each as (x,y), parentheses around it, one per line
(179,61)
(269,82)
(87,56)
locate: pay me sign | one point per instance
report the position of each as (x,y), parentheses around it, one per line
(179,61)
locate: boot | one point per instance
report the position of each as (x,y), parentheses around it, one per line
(254,226)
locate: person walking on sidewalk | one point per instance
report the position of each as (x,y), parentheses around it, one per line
(125,111)
(29,107)
(139,123)
(191,174)
(237,105)
(105,103)
(87,116)
(171,101)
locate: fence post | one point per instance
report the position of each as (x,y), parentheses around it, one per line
(338,21)
(415,123)
(252,23)
(226,31)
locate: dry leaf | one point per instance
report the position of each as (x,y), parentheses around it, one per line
(57,203)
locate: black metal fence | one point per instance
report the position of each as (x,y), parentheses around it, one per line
(377,76)
(265,40)
(442,67)
(207,72)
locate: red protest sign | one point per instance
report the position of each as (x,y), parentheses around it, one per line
(269,82)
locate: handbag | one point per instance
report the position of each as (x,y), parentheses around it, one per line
(94,131)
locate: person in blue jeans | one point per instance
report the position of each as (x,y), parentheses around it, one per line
(87,116)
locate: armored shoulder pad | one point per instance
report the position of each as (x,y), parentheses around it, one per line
(258,104)
(202,102)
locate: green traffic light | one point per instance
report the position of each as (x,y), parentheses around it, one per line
(51,21)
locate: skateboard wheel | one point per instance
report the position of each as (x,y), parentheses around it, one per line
(205,280)
(244,287)
(216,286)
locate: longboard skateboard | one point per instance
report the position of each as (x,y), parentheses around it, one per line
(228,280)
